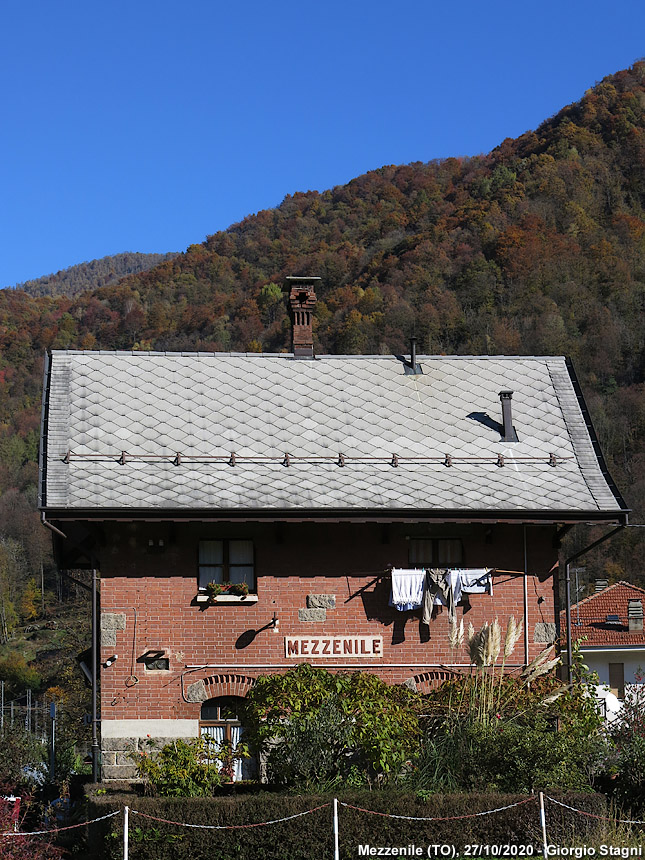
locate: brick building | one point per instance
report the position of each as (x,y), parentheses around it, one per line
(308,478)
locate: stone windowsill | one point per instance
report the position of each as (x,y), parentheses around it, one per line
(228,598)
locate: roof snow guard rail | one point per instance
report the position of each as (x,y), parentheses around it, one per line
(233,459)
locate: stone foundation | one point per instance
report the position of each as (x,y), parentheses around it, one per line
(123,739)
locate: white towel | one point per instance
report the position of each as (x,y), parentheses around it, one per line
(407,588)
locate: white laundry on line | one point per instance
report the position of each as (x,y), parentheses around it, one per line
(472,580)
(407,588)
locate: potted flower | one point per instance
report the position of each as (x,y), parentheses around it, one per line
(213,589)
(241,589)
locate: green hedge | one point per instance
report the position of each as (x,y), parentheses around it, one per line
(310,837)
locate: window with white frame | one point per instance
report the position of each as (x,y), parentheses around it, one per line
(226,561)
(220,725)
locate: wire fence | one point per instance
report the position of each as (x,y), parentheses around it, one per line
(29,715)
(541,800)
(446,818)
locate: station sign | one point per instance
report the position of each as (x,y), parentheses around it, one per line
(365,647)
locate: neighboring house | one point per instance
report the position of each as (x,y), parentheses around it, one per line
(609,628)
(307,478)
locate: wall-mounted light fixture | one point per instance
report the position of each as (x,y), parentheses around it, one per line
(110,660)
(276,623)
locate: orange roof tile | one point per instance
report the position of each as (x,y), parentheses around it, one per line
(593,613)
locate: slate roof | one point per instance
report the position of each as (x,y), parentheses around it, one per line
(593,613)
(153,406)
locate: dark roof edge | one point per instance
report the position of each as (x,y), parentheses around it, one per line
(617,646)
(594,439)
(334,514)
(42,445)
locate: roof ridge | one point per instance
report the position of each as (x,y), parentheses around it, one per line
(630,585)
(604,591)
(289,355)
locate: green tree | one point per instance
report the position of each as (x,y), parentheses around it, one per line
(30,601)
(271,303)
(18,675)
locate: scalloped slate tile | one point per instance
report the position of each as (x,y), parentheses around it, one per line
(263,406)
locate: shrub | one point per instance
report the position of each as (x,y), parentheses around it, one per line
(194,768)
(314,750)
(499,732)
(22,757)
(24,847)
(627,764)
(510,757)
(296,719)
(311,837)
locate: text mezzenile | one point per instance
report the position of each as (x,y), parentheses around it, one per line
(333,646)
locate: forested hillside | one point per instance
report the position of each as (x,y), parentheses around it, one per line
(535,248)
(89,276)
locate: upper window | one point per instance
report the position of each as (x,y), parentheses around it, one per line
(226,561)
(435,552)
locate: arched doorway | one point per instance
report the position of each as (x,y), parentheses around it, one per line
(220,722)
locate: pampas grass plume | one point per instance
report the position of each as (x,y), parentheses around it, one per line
(513,633)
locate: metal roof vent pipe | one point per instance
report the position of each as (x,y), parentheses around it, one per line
(301,298)
(508,431)
(635,616)
(411,367)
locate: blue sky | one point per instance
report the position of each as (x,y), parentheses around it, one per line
(146,126)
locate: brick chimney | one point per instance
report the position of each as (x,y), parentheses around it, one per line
(635,616)
(302,300)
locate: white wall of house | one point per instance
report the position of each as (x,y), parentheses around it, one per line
(632,660)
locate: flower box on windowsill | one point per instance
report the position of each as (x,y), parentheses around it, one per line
(227,598)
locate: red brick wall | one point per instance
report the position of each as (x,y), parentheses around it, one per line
(158,592)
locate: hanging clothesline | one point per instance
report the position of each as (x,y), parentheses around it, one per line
(413,588)
(386,573)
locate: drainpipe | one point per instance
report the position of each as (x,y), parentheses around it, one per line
(526,603)
(567,580)
(95,653)
(95,657)
(51,526)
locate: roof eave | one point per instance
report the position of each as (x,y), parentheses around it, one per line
(42,445)
(336,515)
(635,646)
(592,434)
